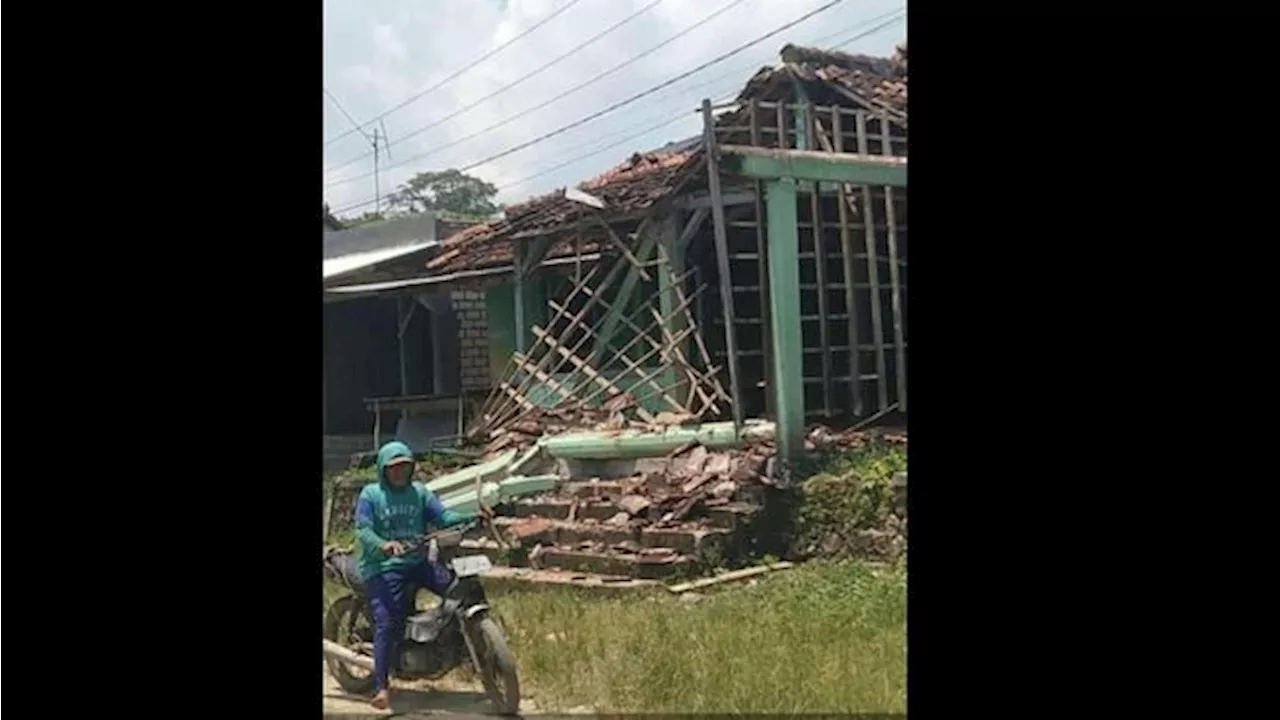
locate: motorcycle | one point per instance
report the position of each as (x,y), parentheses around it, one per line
(462,628)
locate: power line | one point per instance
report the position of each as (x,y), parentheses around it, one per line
(687,92)
(629,138)
(650,91)
(461,70)
(344,112)
(508,86)
(897,16)
(731,4)
(873,30)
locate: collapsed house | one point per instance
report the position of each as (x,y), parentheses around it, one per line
(757,271)
(809,197)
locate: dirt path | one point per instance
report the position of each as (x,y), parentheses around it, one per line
(444,697)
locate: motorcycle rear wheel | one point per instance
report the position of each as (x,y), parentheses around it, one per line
(498,671)
(339,622)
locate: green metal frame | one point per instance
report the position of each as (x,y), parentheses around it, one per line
(770,164)
(781,170)
(784,309)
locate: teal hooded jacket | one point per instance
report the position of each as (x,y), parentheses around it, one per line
(384,513)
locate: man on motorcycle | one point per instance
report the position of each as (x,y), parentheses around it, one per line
(390,513)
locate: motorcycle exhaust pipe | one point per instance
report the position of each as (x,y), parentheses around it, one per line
(337,652)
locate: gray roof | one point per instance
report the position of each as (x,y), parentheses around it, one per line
(400,232)
(346,251)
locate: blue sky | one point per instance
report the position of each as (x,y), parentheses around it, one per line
(378,53)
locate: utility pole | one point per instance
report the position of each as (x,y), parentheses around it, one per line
(377,195)
(372,140)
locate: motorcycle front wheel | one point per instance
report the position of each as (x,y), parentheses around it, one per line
(343,624)
(498,667)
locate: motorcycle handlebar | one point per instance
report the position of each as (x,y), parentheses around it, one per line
(421,542)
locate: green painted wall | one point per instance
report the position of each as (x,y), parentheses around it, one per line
(501,310)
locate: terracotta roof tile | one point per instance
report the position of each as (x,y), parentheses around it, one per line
(632,186)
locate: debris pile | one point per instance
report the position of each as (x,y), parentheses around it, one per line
(616,414)
(632,362)
(821,438)
(673,514)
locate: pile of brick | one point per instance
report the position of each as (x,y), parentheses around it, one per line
(672,516)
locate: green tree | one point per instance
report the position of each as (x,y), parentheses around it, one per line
(447,191)
(364,219)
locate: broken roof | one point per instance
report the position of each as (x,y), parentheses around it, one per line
(878,84)
(628,188)
(644,179)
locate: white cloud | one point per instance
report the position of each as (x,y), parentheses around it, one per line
(377,54)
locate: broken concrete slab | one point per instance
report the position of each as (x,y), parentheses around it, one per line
(548,507)
(630,443)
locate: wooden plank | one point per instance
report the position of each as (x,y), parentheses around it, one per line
(624,349)
(578,363)
(622,248)
(844,203)
(634,367)
(526,365)
(873,277)
(572,323)
(680,359)
(762,263)
(697,337)
(820,268)
(488,408)
(729,577)
(520,400)
(722,260)
(899,340)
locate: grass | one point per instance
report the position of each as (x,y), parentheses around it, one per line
(820,638)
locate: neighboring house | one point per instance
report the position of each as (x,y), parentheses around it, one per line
(383,347)
(821,138)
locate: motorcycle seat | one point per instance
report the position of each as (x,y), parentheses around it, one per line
(342,566)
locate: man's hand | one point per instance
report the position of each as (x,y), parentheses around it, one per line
(484,512)
(393,548)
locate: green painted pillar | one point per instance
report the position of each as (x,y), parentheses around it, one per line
(784,308)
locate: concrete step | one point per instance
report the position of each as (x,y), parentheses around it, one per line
(730,515)
(648,564)
(688,539)
(726,515)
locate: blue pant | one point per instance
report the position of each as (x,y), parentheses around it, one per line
(391,599)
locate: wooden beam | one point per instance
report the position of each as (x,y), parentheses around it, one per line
(767,163)
(703,202)
(722,260)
